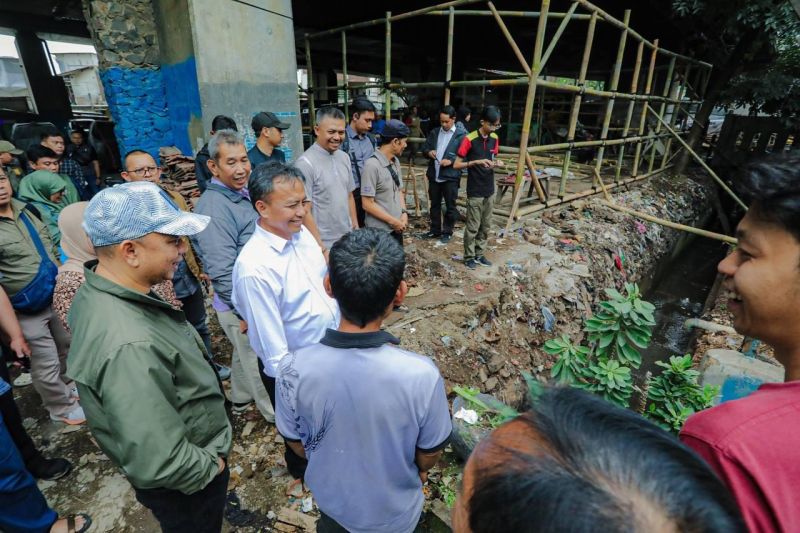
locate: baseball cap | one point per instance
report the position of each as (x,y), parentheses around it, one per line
(6,146)
(132,210)
(266,119)
(394,129)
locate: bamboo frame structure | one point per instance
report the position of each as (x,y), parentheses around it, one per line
(675,94)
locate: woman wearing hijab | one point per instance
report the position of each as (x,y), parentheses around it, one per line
(45,191)
(78,249)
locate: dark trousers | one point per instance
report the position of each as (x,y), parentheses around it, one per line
(22,505)
(177,512)
(398,236)
(295,464)
(13,420)
(194,308)
(360,213)
(447,191)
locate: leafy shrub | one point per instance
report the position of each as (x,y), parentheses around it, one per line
(674,395)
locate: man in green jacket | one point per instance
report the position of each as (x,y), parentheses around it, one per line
(152,399)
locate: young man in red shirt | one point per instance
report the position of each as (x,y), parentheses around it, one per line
(478,154)
(754,443)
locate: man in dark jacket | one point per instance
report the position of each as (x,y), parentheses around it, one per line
(443,179)
(201,171)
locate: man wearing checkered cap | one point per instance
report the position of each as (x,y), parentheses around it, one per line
(151,398)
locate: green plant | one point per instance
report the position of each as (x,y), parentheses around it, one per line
(494,414)
(622,326)
(616,333)
(674,395)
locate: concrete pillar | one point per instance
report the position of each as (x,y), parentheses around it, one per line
(169,66)
(49,92)
(245,58)
(124,35)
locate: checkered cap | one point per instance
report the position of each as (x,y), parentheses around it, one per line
(132,210)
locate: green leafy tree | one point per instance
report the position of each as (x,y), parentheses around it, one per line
(675,394)
(753,45)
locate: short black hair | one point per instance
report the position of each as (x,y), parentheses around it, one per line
(366,267)
(463,112)
(265,175)
(222,122)
(772,187)
(448,110)
(79,132)
(596,463)
(50,131)
(360,105)
(37,151)
(491,114)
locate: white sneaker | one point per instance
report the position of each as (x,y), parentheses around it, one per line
(73,418)
(23,380)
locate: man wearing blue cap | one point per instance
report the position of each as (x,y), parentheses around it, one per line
(152,399)
(382,185)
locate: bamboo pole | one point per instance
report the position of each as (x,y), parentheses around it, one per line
(615,73)
(629,116)
(417,211)
(643,117)
(526,119)
(534,178)
(344,76)
(698,159)
(388,66)
(310,79)
(662,108)
(448,73)
(509,38)
(559,31)
(576,104)
(669,224)
(676,112)
(513,14)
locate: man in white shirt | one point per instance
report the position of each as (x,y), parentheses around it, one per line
(277,278)
(443,180)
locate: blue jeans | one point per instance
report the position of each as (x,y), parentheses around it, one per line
(22,505)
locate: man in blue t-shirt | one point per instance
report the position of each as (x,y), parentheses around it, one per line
(269,135)
(370,417)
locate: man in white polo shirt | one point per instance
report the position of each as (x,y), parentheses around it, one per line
(277,278)
(371,418)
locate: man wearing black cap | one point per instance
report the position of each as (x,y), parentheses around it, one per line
(269,135)
(382,184)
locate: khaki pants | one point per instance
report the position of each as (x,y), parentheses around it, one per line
(49,343)
(479,222)
(246,383)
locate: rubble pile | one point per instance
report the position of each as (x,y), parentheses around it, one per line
(179,174)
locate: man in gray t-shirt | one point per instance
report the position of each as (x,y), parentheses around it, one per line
(382,183)
(329,179)
(370,417)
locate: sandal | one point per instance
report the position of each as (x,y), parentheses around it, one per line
(87,523)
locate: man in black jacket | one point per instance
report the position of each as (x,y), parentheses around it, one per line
(443,180)
(203,175)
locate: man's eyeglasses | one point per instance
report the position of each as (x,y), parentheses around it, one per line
(496,126)
(144,171)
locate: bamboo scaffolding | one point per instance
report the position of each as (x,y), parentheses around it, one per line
(449,68)
(698,159)
(344,76)
(514,14)
(528,113)
(667,87)
(629,115)
(387,114)
(676,112)
(509,38)
(576,104)
(615,73)
(560,31)
(411,171)
(643,117)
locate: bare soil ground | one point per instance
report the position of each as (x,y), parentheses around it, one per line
(483,328)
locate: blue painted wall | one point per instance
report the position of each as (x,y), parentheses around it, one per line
(183,101)
(138,103)
(153,107)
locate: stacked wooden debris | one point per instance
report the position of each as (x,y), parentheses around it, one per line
(178,173)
